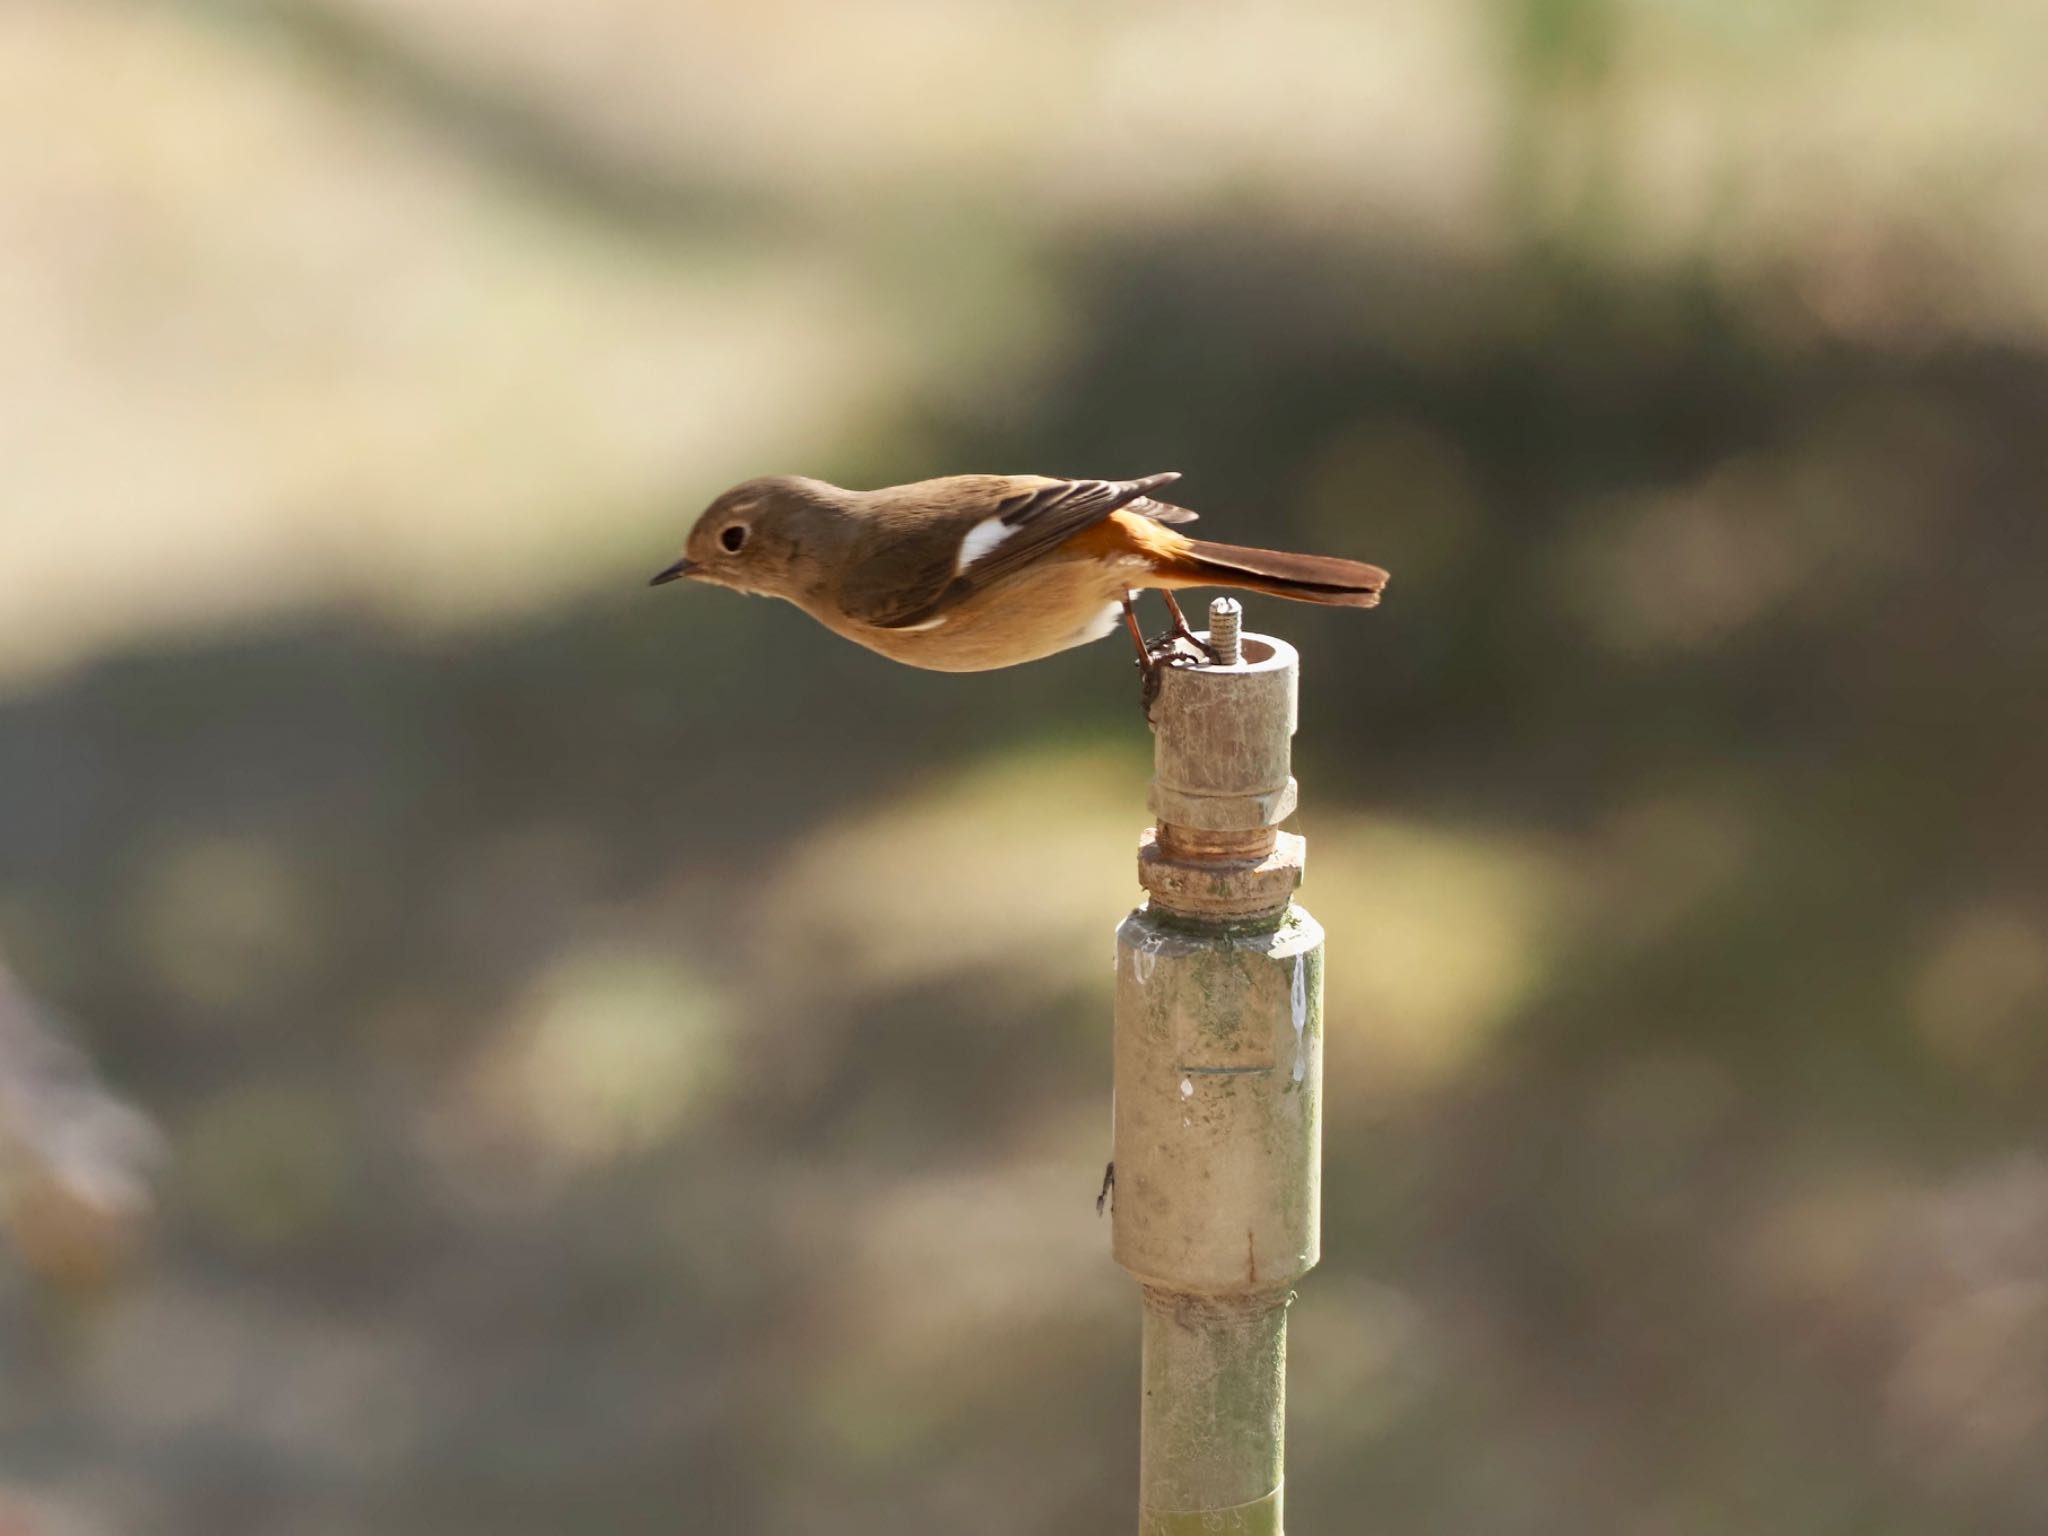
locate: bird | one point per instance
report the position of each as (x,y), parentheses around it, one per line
(968,573)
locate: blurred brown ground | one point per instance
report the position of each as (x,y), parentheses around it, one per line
(631,1062)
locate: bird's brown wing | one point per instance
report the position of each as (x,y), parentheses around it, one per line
(1031,518)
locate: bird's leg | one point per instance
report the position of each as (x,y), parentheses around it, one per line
(1145,661)
(1148,664)
(1108,1189)
(1182,628)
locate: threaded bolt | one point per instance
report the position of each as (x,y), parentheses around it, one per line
(1225,614)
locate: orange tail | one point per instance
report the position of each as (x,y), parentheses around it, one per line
(1304,578)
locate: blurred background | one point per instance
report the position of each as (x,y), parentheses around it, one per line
(491,1046)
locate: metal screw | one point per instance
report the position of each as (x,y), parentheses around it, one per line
(1224,616)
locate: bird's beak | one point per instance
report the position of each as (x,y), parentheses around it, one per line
(674,572)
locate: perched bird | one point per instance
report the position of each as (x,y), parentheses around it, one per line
(973,572)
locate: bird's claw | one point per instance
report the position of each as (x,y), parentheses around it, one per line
(1148,688)
(1160,654)
(1171,649)
(1156,655)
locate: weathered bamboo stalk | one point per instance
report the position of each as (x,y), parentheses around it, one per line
(1218,1136)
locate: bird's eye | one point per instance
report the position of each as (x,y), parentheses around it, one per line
(732,537)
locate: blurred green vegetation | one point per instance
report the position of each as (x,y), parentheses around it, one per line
(629,1060)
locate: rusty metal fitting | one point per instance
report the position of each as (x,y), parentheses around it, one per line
(1228,886)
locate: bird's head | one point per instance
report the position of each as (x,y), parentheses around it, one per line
(764,536)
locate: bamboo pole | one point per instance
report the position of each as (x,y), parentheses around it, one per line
(1218,1134)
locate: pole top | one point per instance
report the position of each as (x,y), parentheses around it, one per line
(1221,778)
(1223,732)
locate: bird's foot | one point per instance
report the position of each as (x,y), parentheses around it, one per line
(1161,655)
(1171,648)
(1178,647)
(1108,1195)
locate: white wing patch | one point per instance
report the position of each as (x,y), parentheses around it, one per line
(981,538)
(927,624)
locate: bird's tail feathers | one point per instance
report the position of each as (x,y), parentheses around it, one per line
(1302,578)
